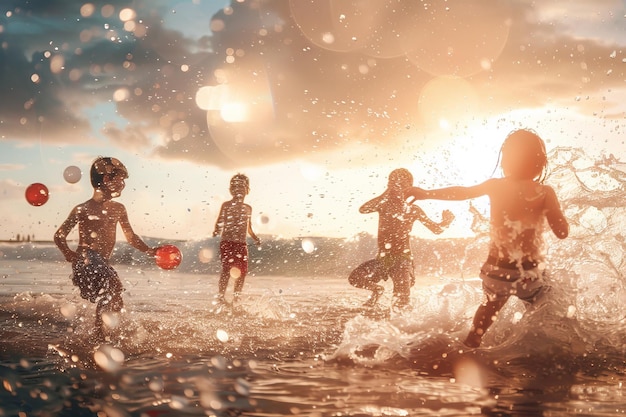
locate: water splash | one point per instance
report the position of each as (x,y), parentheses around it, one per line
(577,326)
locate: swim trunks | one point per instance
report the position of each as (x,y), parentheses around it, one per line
(95,277)
(502,279)
(234,254)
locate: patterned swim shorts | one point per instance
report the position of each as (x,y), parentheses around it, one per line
(95,277)
(506,280)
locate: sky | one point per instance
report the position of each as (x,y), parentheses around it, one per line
(315,100)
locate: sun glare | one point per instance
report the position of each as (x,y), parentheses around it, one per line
(445,102)
(211,97)
(311,172)
(444,124)
(219,98)
(234,112)
(463,158)
(474,157)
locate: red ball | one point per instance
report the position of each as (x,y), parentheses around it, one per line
(168,257)
(37,194)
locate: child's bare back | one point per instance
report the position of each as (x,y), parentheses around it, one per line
(521,205)
(519,210)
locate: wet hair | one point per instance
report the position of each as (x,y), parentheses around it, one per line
(105,165)
(239,180)
(523,156)
(402,177)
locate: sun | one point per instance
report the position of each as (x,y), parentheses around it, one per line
(474,158)
(445,102)
(462,157)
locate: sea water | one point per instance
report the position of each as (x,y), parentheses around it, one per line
(305,346)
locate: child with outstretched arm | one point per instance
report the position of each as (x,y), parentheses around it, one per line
(520,206)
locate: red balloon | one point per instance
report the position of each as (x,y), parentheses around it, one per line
(168,257)
(37,194)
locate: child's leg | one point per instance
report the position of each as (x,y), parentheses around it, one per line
(483,319)
(402,275)
(223,283)
(367,276)
(234,257)
(114,297)
(111,301)
(242,266)
(238,287)
(99,325)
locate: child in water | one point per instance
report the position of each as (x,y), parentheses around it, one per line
(233,225)
(520,205)
(97,220)
(394,259)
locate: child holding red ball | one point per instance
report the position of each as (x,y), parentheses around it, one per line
(97,220)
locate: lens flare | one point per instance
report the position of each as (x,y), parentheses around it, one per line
(308,245)
(235,272)
(222,336)
(109,358)
(205,255)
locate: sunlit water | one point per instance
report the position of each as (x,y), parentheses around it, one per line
(305,346)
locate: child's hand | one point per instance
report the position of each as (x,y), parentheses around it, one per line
(446,218)
(72,257)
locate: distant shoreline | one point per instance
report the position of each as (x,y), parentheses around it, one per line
(280,256)
(28,241)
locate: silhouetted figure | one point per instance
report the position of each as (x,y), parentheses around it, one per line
(233,225)
(394,258)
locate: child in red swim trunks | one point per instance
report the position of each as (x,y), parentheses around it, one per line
(233,225)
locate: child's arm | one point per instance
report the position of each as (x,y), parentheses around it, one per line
(60,237)
(249,226)
(131,237)
(219,223)
(557,221)
(451,193)
(252,234)
(436,228)
(446,218)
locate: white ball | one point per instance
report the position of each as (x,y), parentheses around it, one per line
(72,174)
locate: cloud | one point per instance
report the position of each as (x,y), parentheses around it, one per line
(10,189)
(132,138)
(300,77)
(12,167)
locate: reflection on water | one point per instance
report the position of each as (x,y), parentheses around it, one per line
(304,346)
